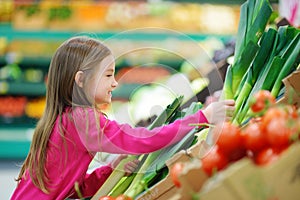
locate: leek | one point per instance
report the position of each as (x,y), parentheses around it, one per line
(156,160)
(290,65)
(254,17)
(284,58)
(117,175)
(256,66)
(263,84)
(114,177)
(122,185)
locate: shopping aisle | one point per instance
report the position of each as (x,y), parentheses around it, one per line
(8,171)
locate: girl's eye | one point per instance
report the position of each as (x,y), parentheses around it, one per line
(108,75)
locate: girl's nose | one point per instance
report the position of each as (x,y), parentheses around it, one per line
(115,83)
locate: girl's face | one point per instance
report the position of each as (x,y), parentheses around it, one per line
(103,82)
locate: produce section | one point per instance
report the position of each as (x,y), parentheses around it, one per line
(260,130)
(23,71)
(254,53)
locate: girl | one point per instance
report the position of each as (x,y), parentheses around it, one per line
(73,129)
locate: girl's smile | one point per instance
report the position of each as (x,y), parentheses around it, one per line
(105,82)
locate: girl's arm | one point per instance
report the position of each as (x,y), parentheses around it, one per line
(93,181)
(117,138)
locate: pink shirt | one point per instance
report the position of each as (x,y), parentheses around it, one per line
(68,161)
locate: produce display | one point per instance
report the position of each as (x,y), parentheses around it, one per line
(262,58)
(153,165)
(21,109)
(123,15)
(262,132)
(261,129)
(12,106)
(272,128)
(35,107)
(23,71)
(271,134)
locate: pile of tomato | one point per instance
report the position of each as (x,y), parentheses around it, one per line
(12,106)
(273,128)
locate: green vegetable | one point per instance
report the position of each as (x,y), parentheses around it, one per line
(254,16)
(113,179)
(282,60)
(290,65)
(112,184)
(255,68)
(157,162)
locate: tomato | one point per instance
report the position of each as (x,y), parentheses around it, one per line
(261,101)
(123,197)
(272,113)
(279,133)
(106,198)
(237,154)
(175,171)
(266,156)
(253,138)
(214,161)
(230,140)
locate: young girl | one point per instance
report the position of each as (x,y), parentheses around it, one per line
(73,129)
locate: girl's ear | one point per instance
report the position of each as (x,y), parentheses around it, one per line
(79,78)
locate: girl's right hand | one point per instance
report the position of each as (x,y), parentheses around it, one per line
(219,111)
(131,167)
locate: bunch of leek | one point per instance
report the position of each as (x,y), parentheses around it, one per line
(117,183)
(282,59)
(254,16)
(262,57)
(153,168)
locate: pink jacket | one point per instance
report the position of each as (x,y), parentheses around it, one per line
(68,160)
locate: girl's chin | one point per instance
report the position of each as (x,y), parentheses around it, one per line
(104,101)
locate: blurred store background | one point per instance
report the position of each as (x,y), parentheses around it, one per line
(162,49)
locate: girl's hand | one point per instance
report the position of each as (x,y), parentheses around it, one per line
(219,111)
(129,167)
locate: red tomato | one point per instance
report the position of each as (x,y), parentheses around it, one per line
(266,156)
(123,197)
(261,100)
(278,132)
(106,198)
(253,138)
(272,113)
(214,161)
(175,171)
(237,154)
(230,140)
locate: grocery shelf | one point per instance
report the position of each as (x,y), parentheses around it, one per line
(7,30)
(39,89)
(22,88)
(44,62)
(15,142)
(20,122)
(15,136)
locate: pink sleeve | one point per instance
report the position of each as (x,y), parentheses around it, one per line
(92,182)
(117,138)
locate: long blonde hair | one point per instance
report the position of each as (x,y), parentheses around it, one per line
(78,53)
